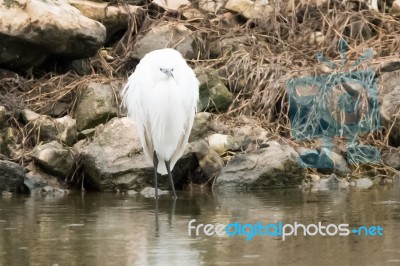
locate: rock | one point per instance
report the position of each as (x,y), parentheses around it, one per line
(275,166)
(330,183)
(53,158)
(96,106)
(250,136)
(192,14)
(150,192)
(67,130)
(47,128)
(314,177)
(317,38)
(36,179)
(172,4)
(86,133)
(218,143)
(209,161)
(228,44)
(114,18)
(34,30)
(82,67)
(324,159)
(391,158)
(211,5)
(48,190)
(11,146)
(3,116)
(222,143)
(362,183)
(29,116)
(340,164)
(33,180)
(395,9)
(114,159)
(250,9)
(131,192)
(308,157)
(176,35)
(214,95)
(201,125)
(388,109)
(11,176)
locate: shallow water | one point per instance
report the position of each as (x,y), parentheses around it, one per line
(120,229)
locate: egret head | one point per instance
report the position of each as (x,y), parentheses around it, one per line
(164,64)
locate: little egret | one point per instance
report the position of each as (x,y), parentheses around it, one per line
(161,96)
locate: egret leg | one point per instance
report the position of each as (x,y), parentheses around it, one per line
(155,162)
(170,179)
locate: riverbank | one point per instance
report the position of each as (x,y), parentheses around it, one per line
(62,126)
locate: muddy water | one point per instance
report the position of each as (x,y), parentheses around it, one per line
(118,229)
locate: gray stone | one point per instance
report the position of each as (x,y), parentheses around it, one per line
(34,30)
(67,131)
(172,4)
(3,116)
(362,183)
(324,159)
(201,125)
(48,128)
(250,9)
(114,159)
(86,133)
(214,95)
(275,166)
(176,35)
(33,180)
(330,183)
(209,161)
(389,112)
(29,116)
(391,158)
(150,192)
(11,176)
(114,18)
(211,5)
(341,167)
(53,158)
(96,106)
(221,143)
(10,145)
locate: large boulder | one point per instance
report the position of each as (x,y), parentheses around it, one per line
(96,106)
(11,176)
(114,159)
(275,166)
(114,18)
(170,35)
(33,30)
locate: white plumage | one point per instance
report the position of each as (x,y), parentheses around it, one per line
(161,96)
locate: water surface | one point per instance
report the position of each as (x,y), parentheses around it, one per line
(121,229)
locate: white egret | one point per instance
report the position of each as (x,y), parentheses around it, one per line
(161,96)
